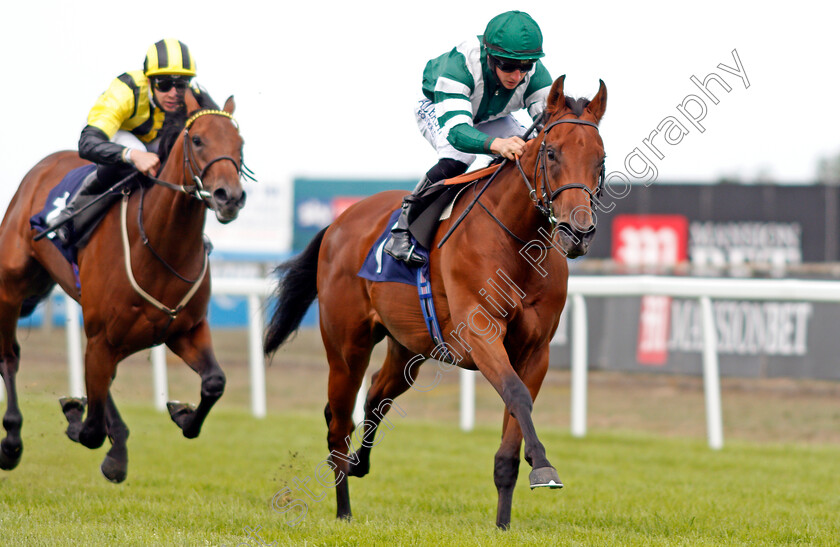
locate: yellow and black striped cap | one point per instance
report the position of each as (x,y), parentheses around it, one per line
(169,56)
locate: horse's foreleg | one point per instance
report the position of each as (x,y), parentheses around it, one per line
(100,367)
(391,381)
(196,349)
(532,373)
(519,401)
(11,447)
(115,464)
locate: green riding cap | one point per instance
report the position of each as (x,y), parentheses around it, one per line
(513,35)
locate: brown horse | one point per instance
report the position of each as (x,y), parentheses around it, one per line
(156,292)
(498,286)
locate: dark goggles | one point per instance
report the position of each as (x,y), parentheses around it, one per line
(165,83)
(509,65)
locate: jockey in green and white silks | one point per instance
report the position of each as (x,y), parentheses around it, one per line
(464,105)
(469,96)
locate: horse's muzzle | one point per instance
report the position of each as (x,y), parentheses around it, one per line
(226,203)
(574,242)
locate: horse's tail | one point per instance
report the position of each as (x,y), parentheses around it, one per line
(296,290)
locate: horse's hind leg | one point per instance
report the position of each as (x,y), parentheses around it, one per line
(506,469)
(20,275)
(391,381)
(196,349)
(11,447)
(115,464)
(346,373)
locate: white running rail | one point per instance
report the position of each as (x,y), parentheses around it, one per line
(580,287)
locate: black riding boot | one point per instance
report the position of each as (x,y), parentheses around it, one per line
(63,223)
(92,187)
(399,245)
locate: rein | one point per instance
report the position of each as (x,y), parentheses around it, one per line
(171,312)
(197,191)
(145,239)
(542,202)
(486,185)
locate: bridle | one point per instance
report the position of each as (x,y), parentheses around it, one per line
(191,165)
(543,200)
(197,191)
(189,155)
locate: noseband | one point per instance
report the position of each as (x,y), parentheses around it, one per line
(543,201)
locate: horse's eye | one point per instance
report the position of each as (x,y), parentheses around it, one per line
(550,154)
(196,140)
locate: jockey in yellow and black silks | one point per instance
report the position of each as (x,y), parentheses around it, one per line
(122,131)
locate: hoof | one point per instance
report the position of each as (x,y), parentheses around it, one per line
(73,431)
(73,408)
(114,470)
(90,438)
(10,453)
(544,477)
(359,469)
(182,415)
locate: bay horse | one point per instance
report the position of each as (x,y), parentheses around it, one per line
(498,287)
(141,282)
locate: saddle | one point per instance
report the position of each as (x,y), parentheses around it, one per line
(380,266)
(84,221)
(436,198)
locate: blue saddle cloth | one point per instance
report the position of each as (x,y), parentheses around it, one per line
(380,266)
(56,201)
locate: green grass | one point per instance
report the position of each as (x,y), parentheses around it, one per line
(430,484)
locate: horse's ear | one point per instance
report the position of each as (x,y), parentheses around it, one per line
(190,101)
(229,105)
(556,99)
(598,105)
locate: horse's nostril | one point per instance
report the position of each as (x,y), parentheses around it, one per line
(220,195)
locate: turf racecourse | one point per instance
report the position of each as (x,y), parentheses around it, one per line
(642,476)
(430,485)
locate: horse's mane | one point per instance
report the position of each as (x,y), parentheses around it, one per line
(174,123)
(577,105)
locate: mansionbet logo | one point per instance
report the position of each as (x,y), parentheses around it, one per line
(651,241)
(742,328)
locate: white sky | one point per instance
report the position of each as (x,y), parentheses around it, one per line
(326,88)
